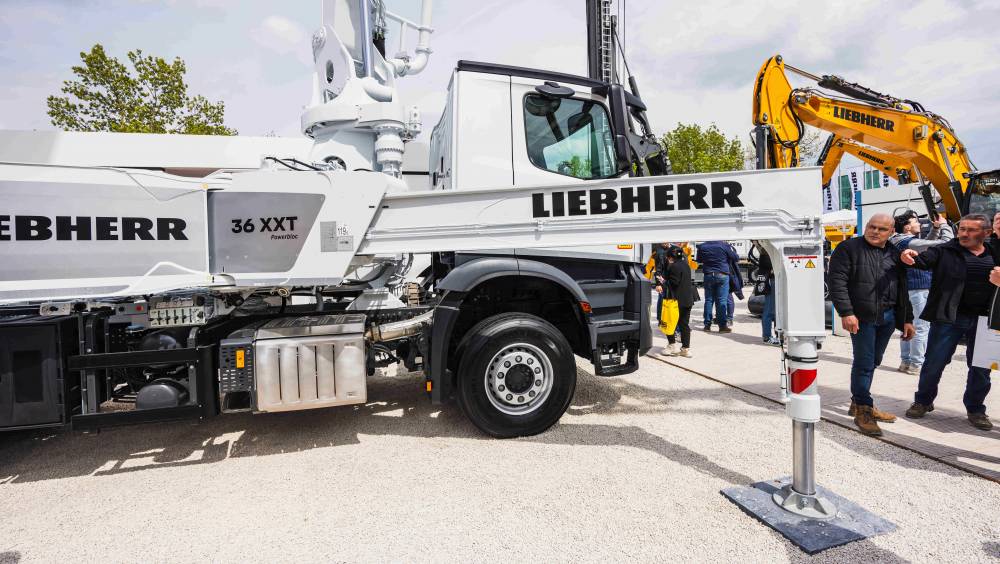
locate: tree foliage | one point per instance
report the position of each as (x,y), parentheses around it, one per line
(149,97)
(576,167)
(693,149)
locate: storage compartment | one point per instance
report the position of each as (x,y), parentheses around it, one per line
(32,371)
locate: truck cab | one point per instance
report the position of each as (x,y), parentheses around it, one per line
(513,127)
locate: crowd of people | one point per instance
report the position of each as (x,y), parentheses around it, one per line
(722,283)
(934,288)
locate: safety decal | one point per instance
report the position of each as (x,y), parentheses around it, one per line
(802,261)
(802,379)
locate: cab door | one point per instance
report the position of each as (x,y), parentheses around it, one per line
(564,141)
(559,140)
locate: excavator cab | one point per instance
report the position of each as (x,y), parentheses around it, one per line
(983,195)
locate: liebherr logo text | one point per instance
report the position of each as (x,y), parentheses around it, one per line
(863,118)
(871,157)
(84,228)
(635,199)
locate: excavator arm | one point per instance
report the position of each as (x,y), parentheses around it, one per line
(836,147)
(899,127)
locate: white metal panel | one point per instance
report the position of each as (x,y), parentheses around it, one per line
(776,204)
(145,150)
(72,232)
(330,242)
(442,147)
(482,131)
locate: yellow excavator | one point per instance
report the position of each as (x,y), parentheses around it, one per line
(872,126)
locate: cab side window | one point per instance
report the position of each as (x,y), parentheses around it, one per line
(569,136)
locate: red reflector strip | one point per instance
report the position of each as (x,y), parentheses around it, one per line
(585,306)
(802,379)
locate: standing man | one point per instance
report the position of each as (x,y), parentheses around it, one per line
(714,257)
(918,282)
(995,236)
(868,288)
(961,291)
(677,285)
(766,269)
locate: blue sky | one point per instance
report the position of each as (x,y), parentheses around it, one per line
(695,61)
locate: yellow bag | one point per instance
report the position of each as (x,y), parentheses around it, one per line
(670,314)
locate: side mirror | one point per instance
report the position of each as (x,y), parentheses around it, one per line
(541,106)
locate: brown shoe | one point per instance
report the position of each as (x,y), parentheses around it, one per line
(918,410)
(980,421)
(865,420)
(725,329)
(880,416)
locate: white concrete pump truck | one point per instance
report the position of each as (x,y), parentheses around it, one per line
(165,274)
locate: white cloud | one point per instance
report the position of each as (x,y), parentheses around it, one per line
(285,36)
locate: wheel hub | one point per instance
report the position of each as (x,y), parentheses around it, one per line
(518,379)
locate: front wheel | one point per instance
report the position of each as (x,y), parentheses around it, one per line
(516,375)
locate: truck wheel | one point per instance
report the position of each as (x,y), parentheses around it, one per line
(516,375)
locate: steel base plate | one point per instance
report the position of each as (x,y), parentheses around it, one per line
(852,522)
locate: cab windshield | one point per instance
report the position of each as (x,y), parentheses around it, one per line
(985,193)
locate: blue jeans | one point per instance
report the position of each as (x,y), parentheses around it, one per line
(941,345)
(767,316)
(869,345)
(912,351)
(716,295)
(730,308)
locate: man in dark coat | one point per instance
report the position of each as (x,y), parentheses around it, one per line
(868,289)
(765,269)
(961,292)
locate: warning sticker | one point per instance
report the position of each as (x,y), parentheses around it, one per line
(802,261)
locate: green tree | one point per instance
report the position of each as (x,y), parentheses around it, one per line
(693,149)
(149,97)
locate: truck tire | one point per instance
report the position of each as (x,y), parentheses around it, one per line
(516,375)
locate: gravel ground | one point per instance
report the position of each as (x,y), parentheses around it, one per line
(632,472)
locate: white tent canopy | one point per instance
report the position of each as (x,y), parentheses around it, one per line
(840,217)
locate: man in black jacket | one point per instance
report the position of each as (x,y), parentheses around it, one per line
(960,293)
(868,289)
